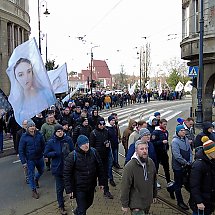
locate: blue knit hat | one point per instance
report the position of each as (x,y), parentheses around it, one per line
(178,128)
(157,114)
(82,139)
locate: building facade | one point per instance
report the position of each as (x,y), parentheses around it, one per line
(190,48)
(14,30)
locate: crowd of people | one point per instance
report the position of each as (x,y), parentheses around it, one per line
(80,148)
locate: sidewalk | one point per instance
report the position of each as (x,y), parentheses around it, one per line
(103,206)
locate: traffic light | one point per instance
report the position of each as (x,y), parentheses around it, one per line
(93,84)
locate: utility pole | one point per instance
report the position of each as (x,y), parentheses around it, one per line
(199,112)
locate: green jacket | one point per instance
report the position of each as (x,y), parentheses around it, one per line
(47,130)
(136,192)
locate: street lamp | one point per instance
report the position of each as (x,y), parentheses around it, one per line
(91,70)
(46,13)
(199,113)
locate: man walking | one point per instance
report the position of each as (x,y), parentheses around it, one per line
(139,182)
(31,149)
(81,169)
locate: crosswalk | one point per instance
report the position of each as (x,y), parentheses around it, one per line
(140,113)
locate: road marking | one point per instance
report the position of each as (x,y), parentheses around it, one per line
(165,113)
(173,115)
(18,161)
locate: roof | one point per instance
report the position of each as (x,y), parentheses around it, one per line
(101,68)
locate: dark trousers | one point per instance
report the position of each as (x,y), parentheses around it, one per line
(1,141)
(105,166)
(59,184)
(163,159)
(178,178)
(84,200)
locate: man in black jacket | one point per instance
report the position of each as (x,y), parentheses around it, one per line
(99,139)
(81,169)
(202,180)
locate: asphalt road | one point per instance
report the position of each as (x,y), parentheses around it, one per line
(15,195)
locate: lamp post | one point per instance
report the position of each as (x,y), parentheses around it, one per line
(39,28)
(199,113)
(91,70)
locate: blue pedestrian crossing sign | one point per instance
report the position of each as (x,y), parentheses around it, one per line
(193,71)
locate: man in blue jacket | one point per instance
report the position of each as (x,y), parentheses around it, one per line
(31,148)
(145,137)
(58,148)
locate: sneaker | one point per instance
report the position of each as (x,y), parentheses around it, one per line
(112,183)
(183,206)
(35,194)
(63,211)
(37,183)
(158,185)
(172,195)
(108,195)
(27,180)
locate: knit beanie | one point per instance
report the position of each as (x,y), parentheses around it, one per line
(82,139)
(180,120)
(178,128)
(144,132)
(30,123)
(209,147)
(111,117)
(157,114)
(64,122)
(204,139)
(58,127)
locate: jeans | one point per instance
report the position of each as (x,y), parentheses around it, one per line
(178,178)
(39,164)
(199,213)
(84,200)
(115,155)
(1,141)
(59,184)
(110,164)
(141,212)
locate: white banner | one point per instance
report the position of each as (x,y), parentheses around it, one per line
(31,91)
(179,87)
(132,89)
(59,79)
(188,87)
(160,89)
(66,98)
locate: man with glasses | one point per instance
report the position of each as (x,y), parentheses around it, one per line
(99,140)
(31,148)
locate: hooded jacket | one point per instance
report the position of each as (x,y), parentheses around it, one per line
(127,132)
(139,184)
(181,152)
(206,125)
(151,127)
(202,183)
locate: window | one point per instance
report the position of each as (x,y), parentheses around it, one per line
(196,14)
(186,19)
(9,38)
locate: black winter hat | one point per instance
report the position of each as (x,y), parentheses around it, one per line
(64,122)
(58,127)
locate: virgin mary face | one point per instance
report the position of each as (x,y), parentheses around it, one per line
(24,75)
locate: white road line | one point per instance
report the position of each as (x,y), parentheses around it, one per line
(124,112)
(165,113)
(18,161)
(173,115)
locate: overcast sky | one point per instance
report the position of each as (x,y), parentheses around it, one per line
(116,26)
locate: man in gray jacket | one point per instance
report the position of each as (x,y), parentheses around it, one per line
(139,181)
(181,159)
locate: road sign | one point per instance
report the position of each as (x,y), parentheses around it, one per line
(193,71)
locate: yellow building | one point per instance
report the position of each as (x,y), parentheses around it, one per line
(14,30)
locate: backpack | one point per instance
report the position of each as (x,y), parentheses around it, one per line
(91,149)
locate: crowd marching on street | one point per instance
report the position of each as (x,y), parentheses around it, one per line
(80,148)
